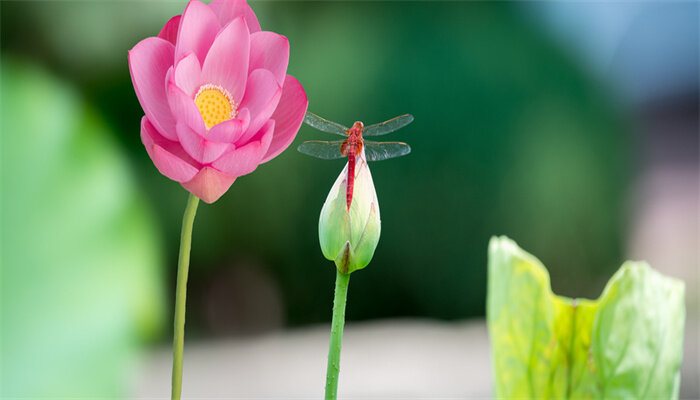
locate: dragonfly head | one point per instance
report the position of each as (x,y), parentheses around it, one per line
(358,125)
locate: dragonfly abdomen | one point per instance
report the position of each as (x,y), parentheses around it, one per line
(351,179)
(353,148)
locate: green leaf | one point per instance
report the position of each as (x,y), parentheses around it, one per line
(80,258)
(626,344)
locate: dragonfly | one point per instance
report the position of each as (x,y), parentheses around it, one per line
(354,143)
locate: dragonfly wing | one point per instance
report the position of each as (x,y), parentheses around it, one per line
(389,126)
(324,125)
(377,151)
(322,149)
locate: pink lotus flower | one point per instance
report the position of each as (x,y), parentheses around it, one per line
(216,96)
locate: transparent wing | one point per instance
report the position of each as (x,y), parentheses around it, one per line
(389,126)
(324,125)
(322,149)
(377,151)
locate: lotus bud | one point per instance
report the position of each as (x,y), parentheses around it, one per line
(349,235)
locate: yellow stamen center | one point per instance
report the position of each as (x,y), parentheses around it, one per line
(215,104)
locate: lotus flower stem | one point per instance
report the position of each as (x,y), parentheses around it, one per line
(333,369)
(183,265)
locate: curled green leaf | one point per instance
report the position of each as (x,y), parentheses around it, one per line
(626,344)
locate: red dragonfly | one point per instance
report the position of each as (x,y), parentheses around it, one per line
(354,144)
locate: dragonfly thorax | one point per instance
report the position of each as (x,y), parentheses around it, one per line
(353,143)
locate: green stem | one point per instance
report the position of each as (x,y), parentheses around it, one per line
(183,265)
(333,369)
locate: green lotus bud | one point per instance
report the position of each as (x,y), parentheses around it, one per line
(349,236)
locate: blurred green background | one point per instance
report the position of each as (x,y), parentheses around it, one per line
(514,134)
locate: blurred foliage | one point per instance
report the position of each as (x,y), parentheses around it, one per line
(510,137)
(80,257)
(627,344)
